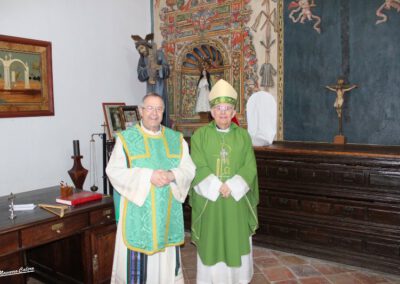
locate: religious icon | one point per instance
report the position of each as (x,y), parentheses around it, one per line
(153,68)
(203,89)
(340,89)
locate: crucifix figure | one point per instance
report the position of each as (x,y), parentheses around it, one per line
(340,88)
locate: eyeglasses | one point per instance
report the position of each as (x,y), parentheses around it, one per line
(151,108)
(222,108)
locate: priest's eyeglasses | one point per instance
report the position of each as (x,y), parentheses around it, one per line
(153,108)
(222,108)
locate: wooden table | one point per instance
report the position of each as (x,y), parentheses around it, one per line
(77,248)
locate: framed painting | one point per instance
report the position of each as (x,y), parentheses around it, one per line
(26,79)
(129,116)
(112,118)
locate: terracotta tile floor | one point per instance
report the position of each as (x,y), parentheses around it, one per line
(271,266)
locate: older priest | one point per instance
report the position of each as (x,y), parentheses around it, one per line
(225,194)
(151,171)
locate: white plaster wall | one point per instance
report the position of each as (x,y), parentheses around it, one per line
(94,61)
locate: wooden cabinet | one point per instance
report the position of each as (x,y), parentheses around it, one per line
(77,248)
(336,202)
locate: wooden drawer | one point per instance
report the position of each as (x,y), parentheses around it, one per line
(102,216)
(282,231)
(284,202)
(54,230)
(280,172)
(9,243)
(349,177)
(314,175)
(335,240)
(316,207)
(384,179)
(384,248)
(349,211)
(388,217)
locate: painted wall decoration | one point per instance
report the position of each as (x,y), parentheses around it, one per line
(301,11)
(386,6)
(351,47)
(238,40)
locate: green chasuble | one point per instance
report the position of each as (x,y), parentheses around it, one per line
(221,229)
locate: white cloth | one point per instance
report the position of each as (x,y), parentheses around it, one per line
(202,104)
(160,266)
(261,111)
(220,273)
(209,187)
(134,185)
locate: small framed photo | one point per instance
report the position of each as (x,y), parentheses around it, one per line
(112,118)
(129,116)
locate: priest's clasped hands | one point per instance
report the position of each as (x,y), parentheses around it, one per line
(225,190)
(161,178)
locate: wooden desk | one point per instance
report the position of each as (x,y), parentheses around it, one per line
(77,248)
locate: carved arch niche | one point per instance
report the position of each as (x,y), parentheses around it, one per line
(193,57)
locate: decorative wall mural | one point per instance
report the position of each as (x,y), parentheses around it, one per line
(301,11)
(387,5)
(238,40)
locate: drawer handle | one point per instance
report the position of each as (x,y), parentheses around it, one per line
(107,212)
(108,217)
(283,171)
(284,230)
(348,210)
(57,227)
(95,263)
(283,201)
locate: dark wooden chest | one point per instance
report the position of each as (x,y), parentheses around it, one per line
(340,203)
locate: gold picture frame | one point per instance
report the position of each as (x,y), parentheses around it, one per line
(26,79)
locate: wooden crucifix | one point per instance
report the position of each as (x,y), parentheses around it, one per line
(340,88)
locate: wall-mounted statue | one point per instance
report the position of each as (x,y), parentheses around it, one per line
(153,68)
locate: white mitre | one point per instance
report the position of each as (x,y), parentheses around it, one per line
(222,92)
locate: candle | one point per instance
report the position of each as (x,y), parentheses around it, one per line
(76,148)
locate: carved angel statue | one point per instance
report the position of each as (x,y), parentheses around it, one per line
(340,88)
(388,4)
(153,68)
(303,8)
